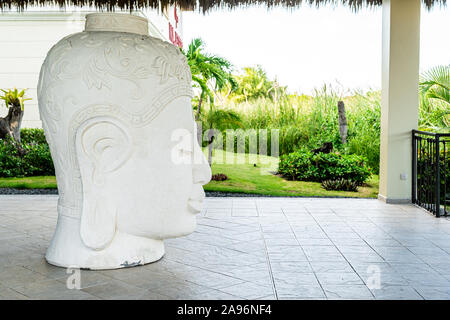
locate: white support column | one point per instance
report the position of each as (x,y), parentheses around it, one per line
(400,100)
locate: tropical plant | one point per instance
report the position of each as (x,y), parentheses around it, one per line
(209,72)
(14,98)
(340,184)
(435,83)
(10,124)
(435,99)
(254,84)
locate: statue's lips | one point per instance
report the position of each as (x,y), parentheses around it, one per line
(195,202)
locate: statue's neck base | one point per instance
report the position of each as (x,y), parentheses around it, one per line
(67,249)
(116,22)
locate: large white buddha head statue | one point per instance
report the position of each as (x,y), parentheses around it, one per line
(115,104)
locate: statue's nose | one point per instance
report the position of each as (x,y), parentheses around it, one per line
(201,172)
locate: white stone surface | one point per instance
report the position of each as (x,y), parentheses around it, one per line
(116,110)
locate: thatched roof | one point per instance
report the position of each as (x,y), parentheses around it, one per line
(203,5)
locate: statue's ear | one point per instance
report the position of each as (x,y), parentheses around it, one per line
(102,146)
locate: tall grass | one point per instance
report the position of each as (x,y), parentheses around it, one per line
(309,121)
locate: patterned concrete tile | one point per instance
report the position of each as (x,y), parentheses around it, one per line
(290,291)
(149,295)
(281,242)
(368,268)
(314,242)
(426,280)
(385,279)
(47,270)
(253,274)
(441,268)
(244,212)
(249,290)
(10,294)
(323,253)
(294,278)
(286,253)
(434,293)
(248,248)
(17,276)
(331,267)
(114,289)
(291,266)
(186,290)
(396,293)
(352,292)
(52,290)
(417,268)
(339,278)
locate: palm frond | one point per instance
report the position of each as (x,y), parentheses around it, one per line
(207,68)
(435,83)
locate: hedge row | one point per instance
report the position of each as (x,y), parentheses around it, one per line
(306,166)
(36,162)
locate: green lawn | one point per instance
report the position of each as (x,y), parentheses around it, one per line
(243,177)
(29,182)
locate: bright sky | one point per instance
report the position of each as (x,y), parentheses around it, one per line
(307,47)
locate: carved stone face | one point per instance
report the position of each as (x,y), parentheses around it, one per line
(146,181)
(152,176)
(116,109)
(167,192)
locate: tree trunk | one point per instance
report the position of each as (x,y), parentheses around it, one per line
(10,126)
(211,134)
(199,133)
(199,107)
(199,123)
(342,122)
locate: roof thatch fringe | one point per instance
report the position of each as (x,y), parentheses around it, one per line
(203,5)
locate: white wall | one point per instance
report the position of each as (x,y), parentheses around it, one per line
(25,39)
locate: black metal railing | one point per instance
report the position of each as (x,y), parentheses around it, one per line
(431,171)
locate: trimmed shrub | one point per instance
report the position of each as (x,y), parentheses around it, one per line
(306,166)
(40,159)
(32,136)
(36,162)
(340,184)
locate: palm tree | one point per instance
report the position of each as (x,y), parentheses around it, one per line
(253,84)
(435,83)
(208,70)
(435,96)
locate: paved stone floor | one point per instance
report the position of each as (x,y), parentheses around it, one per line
(249,248)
